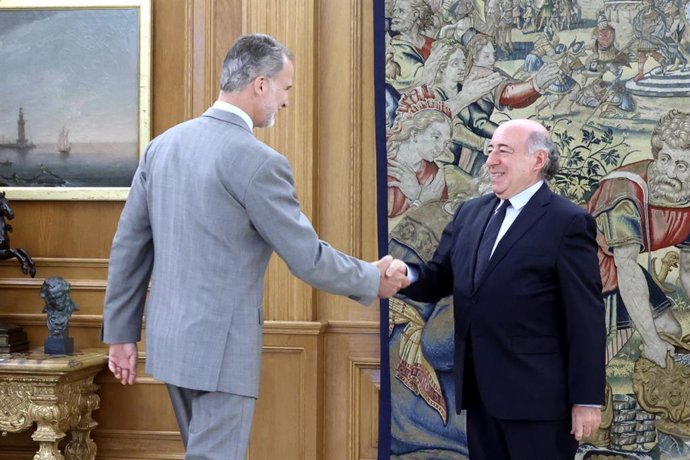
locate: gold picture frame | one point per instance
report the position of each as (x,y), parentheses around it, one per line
(76,94)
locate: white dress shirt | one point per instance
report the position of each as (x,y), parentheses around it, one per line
(517,203)
(220,105)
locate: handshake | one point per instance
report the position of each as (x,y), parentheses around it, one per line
(393,276)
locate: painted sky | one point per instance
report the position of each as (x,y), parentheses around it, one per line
(73,68)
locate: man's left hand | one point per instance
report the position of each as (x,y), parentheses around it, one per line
(586,420)
(122,362)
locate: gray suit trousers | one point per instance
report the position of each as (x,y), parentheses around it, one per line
(214,425)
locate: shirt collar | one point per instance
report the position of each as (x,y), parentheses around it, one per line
(521,199)
(220,105)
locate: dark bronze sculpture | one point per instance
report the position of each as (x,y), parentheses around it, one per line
(59,306)
(13,339)
(7,252)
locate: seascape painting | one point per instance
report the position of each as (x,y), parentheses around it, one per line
(611,81)
(71,85)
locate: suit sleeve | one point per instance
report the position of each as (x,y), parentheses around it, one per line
(129,270)
(580,285)
(435,278)
(274,210)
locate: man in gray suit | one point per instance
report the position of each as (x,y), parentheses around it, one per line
(209,204)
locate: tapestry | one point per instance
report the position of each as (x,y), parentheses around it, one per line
(611,82)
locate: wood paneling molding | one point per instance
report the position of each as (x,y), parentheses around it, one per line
(294,328)
(198,56)
(367,124)
(355,170)
(35,283)
(353,327)
(153,445)
(76,321)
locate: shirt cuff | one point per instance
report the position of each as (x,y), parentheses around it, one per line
(412,274)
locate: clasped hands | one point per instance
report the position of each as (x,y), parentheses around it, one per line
(393,276)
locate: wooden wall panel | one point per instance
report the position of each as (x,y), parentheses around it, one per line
(350,417)
(136,421)
(293,22)
(364,407)
(289,409)
(65,229)
(319,376)
(171,93)
(347,160)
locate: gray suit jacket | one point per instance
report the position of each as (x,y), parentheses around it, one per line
(208,206)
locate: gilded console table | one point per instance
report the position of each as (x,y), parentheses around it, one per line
(57,393)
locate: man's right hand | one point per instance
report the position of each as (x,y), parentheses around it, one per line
(122,362)
(393,276)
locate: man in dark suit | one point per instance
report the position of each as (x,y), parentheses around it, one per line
(522,266)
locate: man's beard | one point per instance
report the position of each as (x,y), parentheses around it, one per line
(666,189)
(268,122)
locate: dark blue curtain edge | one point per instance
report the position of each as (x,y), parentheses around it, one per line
(382,221)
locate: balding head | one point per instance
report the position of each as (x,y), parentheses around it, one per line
(525,126)
(536,138)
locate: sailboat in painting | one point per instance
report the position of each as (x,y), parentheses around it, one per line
(63,145)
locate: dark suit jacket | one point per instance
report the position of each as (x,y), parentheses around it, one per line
(536,318)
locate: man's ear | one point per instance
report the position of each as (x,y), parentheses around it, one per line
(260,84)
(542,156)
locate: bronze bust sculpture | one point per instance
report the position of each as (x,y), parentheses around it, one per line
(59,306)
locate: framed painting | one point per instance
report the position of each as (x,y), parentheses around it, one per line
(75,97)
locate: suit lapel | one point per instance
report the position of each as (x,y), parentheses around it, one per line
(530,214)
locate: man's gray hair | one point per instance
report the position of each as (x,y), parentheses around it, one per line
(539,140)
(252,56)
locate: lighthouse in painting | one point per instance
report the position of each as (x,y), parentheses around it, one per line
(22,144)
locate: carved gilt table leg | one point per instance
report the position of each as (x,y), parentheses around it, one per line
(81,446)
(48,433)
(58,394)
